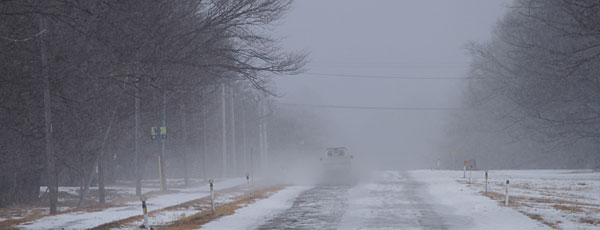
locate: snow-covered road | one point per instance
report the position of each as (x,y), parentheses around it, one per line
(389,200)
(321,207)
(392,200)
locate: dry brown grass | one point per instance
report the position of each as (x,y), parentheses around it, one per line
(590,221)
(541,220)
(493,195)
(567,208)
(197,220)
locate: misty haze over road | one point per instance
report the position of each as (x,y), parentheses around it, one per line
(308,114)
(418,47)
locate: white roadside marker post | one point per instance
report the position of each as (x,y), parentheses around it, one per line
(470,172)
(248,179)
(212,196)
(506,200)
(145,210)
(465,169)
(486,180)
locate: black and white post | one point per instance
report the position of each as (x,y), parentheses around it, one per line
(486,180)
(248,180)
(464,168)
(506,200)
(145,211)
(470,172)
(212,196)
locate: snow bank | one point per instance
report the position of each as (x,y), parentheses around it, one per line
(252,216)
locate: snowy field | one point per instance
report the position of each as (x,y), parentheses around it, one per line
(567,199)
(558,199)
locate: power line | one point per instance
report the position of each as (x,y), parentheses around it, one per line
(387,77)
(371,107)
(391,63)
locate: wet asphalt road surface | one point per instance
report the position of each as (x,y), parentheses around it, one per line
(390,200)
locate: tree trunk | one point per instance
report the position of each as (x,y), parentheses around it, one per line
(185,146)
(87,182)
(265,156)
(50,161)
(100,157)
(101,192)
(204,137)
(260,135)
(244,151)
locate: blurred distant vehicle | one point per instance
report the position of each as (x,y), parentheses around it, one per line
(337,166)
(337,157)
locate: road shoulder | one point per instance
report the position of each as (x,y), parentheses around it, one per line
(469,208)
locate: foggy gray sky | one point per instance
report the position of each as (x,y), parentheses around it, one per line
(391,38)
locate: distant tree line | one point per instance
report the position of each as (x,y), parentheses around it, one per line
(534,100)
(82,82)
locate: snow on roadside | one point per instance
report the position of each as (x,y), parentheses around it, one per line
(84,220)
(254,215)
(563,199)
(460,200)
(166,217)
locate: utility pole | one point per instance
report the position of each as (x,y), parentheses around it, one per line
(453,159)
(163,176)
(224,134)
(50,161)
(260,134)
(264,144)
(233,147)
(186,179)
(136,161)
(265,135)
(100,156)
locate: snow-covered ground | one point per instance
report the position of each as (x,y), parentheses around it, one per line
(463,207)
(422,199)
(564,199)
(426,199)
(254,215)
(87,219)
(166,217)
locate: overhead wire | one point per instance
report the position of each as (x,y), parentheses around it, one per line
(388,77)
(370,107)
